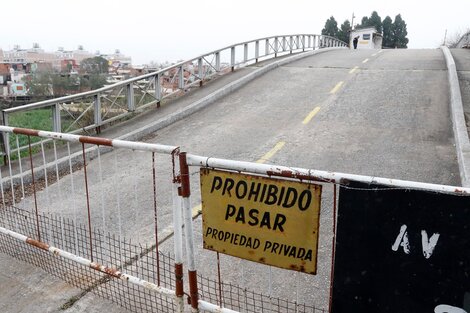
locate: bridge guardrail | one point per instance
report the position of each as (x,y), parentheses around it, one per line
(93,109)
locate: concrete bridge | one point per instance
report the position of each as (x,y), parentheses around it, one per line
(380,113)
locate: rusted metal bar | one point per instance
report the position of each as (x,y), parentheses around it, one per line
(154,180)
(91,140)
(25,131)
(87,202)
(316,175)
(96,141)
(185,192)
(96,266)
(34,189)
(178,232)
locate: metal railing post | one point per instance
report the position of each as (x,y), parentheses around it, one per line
(158,89)
(217,61)
(276,45)
(130,97)
(185,193)
(266,48)
(181,77)
(232,58)
(284,44)
(291,43)
(97,113)
(200,71)
(303,43)
(245,53)
(56,124)
(256,50)
(298,42)
(6,138)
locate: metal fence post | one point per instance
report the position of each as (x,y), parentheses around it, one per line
(303,43)
(158,89)
(185,193)
(232,58)
(217,61)
(256,50)
(181,77)
(284,44)
(245,53)
(276,44)
(6,138)
(56,124)
(97,113)
(266,48)
(130,97)
(291,39)
(178,235)
(200,71)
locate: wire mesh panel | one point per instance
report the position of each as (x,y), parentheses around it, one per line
(137,260)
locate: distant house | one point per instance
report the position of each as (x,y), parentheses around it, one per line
(369,38)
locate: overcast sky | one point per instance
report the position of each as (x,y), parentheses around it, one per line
(170,30)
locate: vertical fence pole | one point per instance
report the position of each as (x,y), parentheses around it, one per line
(256,50)
(181,77)
(291,43)
(154,180)
(185,193)
(130,98)
(284,44)
(56,125)
(34,188)
(266,47)
(6,139)
(217,61)
(245,53)
(232,58)
(97,113)
(87,201)
(158,89)
(178,235)
(200,71)
(276,44)
(303,43)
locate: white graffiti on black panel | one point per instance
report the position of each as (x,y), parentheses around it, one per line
(428,244)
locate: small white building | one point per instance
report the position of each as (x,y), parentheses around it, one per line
(369,38)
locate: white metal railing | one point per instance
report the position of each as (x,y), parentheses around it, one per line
(94,109)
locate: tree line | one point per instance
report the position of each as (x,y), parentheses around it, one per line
(394,32)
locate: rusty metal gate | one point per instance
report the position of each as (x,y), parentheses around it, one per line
(115,218)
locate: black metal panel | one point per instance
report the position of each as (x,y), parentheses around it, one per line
(372,277)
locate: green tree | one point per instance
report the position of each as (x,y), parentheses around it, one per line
(375,21)
(364,22)
(331,27)
(387,25)
(343,33)
(39,84)
(95,65)
(399,33)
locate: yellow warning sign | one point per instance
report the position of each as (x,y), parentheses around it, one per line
(261,219)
